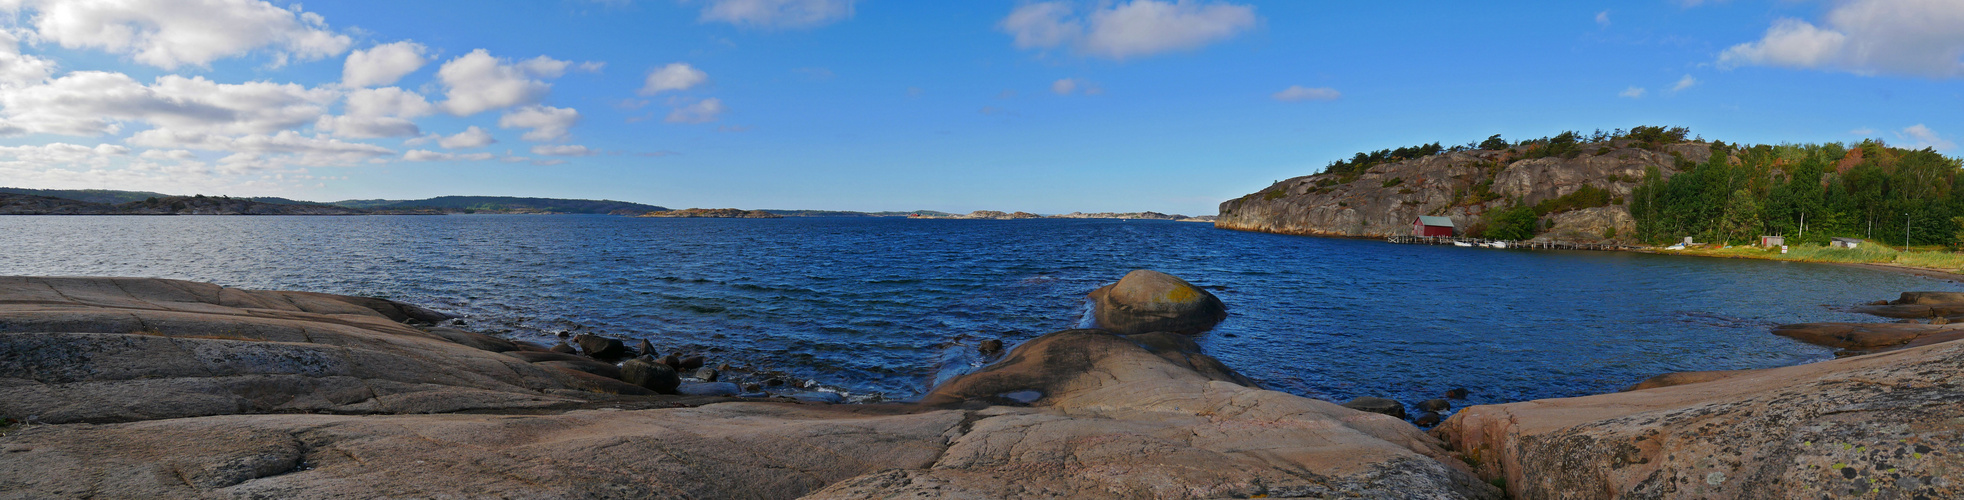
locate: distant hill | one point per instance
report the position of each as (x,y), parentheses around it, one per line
(27,204)
(89,195)
(507,204)
(366,203)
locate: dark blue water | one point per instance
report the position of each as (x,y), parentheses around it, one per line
(877,306)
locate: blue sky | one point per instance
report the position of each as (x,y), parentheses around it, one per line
(1048,107)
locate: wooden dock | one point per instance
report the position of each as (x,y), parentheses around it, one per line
(1523,245)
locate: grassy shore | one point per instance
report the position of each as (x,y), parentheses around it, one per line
(1932,258)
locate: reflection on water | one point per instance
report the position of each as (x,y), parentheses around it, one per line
(879,305)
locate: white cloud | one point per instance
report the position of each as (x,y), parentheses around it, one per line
(1920,137)
(562,150)
(1684,83)
(1128,29)
(1300,93)
(85,103)
(20,70)
(477,82)
(383,112)
(427,155)
(1602,18)
(472,137)
(1064,87)
(172,33)
(777,13)
(382,64)
(266,150)
(547,123)
(1908,37)
(61,153)
(674,76)
(704,111)
(1633,92)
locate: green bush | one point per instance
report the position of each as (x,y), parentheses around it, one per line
(1393,182)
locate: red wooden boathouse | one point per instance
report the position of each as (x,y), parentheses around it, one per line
(1426,225)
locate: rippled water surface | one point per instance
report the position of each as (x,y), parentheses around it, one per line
(880,305)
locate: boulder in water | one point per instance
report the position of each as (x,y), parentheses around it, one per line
(1434,405)
(1426,419)
(651,375)
(1380,406)
(1151,301)
(600,347)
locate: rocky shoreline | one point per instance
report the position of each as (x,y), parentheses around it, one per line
(145,388)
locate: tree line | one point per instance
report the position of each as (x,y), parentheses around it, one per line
(1807,193)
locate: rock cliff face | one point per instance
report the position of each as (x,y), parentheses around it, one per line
(1463,186)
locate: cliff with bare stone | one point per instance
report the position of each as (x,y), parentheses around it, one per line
(1465,185)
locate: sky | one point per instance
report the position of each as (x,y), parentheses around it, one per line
(1048,107)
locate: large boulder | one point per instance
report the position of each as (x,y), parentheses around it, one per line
(1876,426)
(1151,301)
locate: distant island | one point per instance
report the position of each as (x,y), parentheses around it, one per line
(715,213)
(996,215)
(21,201)
(24,201)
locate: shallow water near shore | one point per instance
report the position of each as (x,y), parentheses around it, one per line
(879,306)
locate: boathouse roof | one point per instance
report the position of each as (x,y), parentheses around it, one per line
(1430,220)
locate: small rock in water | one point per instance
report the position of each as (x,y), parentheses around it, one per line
(990,347)
(690,363)
(1458,393)
(709,389)
(774,382)
(819,397)
(599,347)
(653,376)
(564,349)
(1431,405)
(706,374)
(1426,419)
(458,322)
(564,334)
(672,363)
(645,348)
(722,367)
(1377,405)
